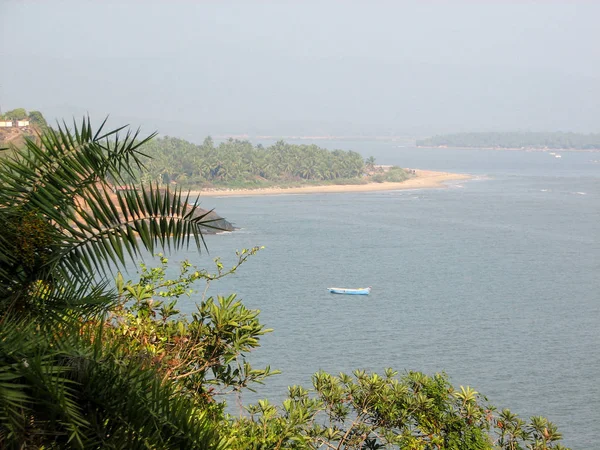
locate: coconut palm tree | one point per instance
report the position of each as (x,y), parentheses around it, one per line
(370,162)
(63,229)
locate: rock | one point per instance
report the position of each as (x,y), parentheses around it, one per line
(219,222)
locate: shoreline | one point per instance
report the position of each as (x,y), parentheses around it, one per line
(424,179)
(513,149)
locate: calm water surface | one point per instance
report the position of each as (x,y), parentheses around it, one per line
(493,280)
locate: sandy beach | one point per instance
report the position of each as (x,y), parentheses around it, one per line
(424,179)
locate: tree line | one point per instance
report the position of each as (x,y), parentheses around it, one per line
(88,361)
(518,140)
(242,163)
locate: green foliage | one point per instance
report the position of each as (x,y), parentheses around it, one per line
(15,114)
(36,118)
(204,353)
(56,191)
(393,175)
(63,382)
(531,140)
(514,433)
(69,390)
(369,411)
(397,174)
(241,164)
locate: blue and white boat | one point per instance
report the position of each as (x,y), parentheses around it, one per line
(359,291)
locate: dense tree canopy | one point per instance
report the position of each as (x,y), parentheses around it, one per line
(36,118)
(239,162)
(15,114)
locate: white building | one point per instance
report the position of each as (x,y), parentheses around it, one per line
(14,123)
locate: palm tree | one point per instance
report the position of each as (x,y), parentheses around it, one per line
(63,229)
(370,162)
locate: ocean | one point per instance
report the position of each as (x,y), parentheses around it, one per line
(494,280)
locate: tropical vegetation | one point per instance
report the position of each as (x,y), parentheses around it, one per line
(62,383)
(516,140)
(234,163)
(89,359)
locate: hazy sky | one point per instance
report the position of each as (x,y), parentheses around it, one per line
(190,68)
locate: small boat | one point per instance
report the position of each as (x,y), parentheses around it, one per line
(359,291)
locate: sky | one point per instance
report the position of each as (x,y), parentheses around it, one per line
(406,68)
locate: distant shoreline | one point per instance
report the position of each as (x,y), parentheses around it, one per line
(525,149)
(424,179)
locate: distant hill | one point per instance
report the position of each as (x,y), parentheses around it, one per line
(17,124)
(516,140)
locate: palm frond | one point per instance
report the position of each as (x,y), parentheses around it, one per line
(62,163)
(58,189)
(72,389)
(63,230)
(35,391)
(107,230)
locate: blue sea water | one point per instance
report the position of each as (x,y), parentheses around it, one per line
(493,280)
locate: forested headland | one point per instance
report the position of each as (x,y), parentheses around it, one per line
(230,164)
(515,140)
(240,164)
